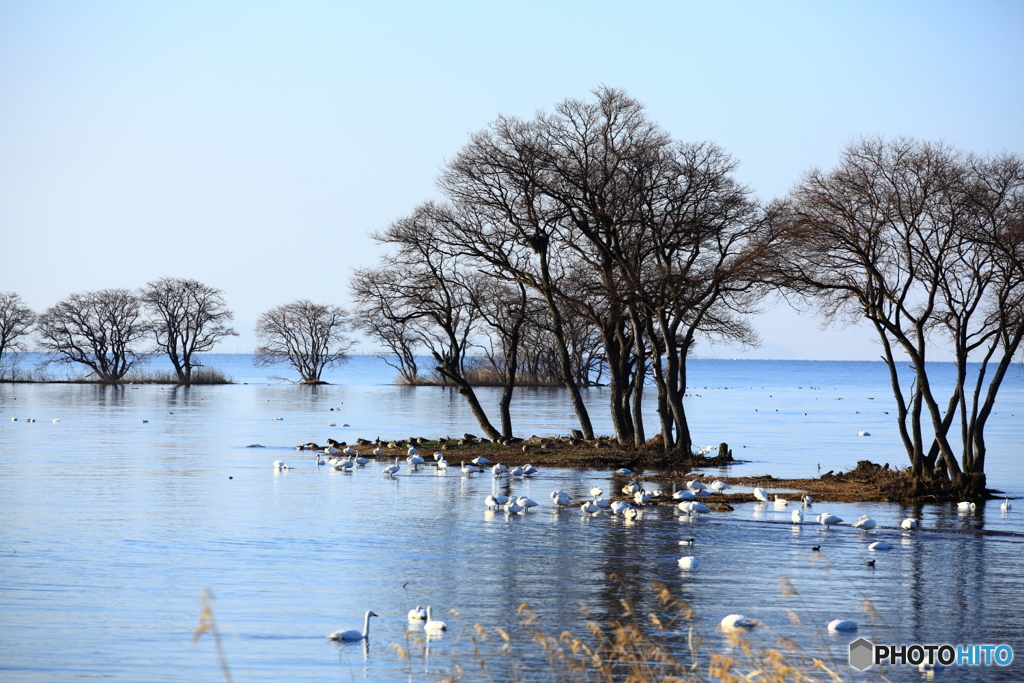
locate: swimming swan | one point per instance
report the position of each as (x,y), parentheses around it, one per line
(353,634)
(433,626)
(842,625)
(736,621)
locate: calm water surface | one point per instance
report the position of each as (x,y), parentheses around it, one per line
(113,527)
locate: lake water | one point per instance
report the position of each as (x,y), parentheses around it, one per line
(113,527)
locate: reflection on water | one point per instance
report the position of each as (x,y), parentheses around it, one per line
(117,517)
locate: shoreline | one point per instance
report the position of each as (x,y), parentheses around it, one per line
(868,482)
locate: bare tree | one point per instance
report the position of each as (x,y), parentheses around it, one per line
(426,289)
(308,336)
(16,320)
(397,336)
(187,317)
(97,329)
(604,217)
(919,240)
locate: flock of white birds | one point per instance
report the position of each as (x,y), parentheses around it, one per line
(349,458)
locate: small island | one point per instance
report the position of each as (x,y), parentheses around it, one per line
(867,482)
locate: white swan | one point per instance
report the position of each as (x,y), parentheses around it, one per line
(589,507)
(442,464)
(417,614)
(797,516)
(736,621)
(909,523)
(412,451)
(278,465)
(617,506)
(481,461)
(529,470)
(432,625)
(720,485)
(879,545)
(603,503)
(526,502)
(686,494)
(1005,505)
(512,507)
(965,506)
(688,562)
(516,472)
(864,522)
(807,500)
(761,494)
(563,500)
(391,470)
(842,625)
(353,634)
(377,452)
(415,461)
(696,485)
(861,432)
(596,491)
(828,519)
(630,513)
(491,502)
(780,502)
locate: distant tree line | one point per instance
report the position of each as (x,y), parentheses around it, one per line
(104,330)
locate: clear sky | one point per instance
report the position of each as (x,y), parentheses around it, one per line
(253,145)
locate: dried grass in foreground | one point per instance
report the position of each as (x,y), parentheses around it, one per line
(662,647)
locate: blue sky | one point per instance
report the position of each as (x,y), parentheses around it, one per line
(253,145)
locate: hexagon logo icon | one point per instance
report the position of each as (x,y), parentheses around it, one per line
(862,654)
